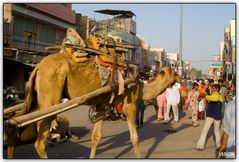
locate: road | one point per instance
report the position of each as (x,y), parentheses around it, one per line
(157,140)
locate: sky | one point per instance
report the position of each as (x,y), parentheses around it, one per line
(159,24)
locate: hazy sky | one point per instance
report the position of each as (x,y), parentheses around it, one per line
(203,26)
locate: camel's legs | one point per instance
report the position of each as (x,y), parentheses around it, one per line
(49,89)
(95,137)
(41,142)
(10,152)
(11,142)
(130,111)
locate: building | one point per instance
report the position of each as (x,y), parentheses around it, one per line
(160,56)
(28,29)
(172,60)
(229,51)
(120,26)
(146,55)
(221,50)
(83,26)
(233,45)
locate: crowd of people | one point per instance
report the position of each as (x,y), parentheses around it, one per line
(211,100)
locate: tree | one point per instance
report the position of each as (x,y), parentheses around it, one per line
(196,73)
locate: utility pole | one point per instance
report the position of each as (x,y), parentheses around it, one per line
(180,68)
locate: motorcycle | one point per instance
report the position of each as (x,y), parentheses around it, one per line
(112,113)
(11,96)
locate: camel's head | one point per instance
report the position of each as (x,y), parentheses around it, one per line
(171,75)
(72,44)
(72,38)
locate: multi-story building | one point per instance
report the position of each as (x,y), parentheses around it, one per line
(160,56)
(229,51)
(172,60)
(233,45)
(83,26)
(221,51)
(147,57)
(121,26)
(28,29)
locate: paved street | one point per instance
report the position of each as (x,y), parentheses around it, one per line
(157,140)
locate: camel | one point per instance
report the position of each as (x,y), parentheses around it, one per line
(60,127)
(59,76)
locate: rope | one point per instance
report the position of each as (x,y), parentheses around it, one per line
(15,127)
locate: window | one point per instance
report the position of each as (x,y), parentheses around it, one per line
(60,35)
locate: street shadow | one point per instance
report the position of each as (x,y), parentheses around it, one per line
(63,150)
(151,119)
(181,114)
(72,149)
(80,131)
(159,135)
(156,131)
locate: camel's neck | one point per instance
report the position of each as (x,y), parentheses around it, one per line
(153,89)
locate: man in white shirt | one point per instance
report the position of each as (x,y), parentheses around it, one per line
(173,99)
(228,140)
(223,92)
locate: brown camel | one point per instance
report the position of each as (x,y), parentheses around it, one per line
(57,76)
(60,127)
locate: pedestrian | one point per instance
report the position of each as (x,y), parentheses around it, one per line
(155,104)
(223,89)
(140,106)
(223,92)
(209,87)
(227,84)
(189,84)
(214,115)
(228,140)
(184,91)
(173,99)
(192,104)
(162,106)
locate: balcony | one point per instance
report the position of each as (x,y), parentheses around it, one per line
(31,44)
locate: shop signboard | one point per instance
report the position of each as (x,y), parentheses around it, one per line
(216,65)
